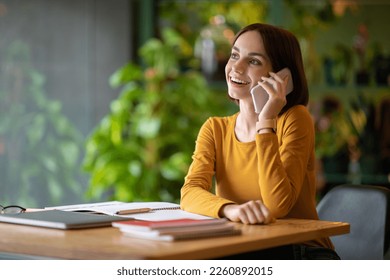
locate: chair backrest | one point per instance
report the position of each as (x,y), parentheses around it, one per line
(366,209)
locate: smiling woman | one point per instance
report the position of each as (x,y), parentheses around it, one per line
(262,163)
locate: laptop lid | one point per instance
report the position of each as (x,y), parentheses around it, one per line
(61,219)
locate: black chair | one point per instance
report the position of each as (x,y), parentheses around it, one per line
(366,208)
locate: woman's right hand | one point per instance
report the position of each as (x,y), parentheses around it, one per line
(251,212)
(276,88)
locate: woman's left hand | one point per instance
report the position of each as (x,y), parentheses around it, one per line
(251,212)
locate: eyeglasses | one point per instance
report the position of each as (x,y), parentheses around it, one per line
(12,209)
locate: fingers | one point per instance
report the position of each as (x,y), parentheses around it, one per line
(251,212)
(276,81)
(268,218)
(276,77)
(267,84)
(254,212)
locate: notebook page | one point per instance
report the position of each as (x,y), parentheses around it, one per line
(112,207)
(160,215)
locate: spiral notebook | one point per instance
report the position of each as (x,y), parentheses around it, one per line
(158,211)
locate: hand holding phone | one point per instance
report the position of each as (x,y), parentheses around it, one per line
(260,96)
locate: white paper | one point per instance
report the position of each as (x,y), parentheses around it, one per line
(112,207)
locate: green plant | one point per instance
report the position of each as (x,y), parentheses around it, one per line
(190,17)
(39,153)
(142,149)
(337,128)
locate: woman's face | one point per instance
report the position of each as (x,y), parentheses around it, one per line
(248,62)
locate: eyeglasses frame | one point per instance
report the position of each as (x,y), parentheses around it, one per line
(2,208)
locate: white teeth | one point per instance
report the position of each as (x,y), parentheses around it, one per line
(233,79)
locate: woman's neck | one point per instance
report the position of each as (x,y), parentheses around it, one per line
(245,128)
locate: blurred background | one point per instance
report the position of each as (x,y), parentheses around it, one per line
(102,100)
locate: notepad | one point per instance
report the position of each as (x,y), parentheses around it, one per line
(60,219)
(159,210)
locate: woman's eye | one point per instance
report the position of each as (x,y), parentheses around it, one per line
(255,62)
(234,56)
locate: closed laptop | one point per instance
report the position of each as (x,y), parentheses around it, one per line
(61,219)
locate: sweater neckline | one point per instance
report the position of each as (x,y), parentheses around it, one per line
(235,139)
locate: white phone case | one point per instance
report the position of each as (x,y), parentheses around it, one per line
(260,96)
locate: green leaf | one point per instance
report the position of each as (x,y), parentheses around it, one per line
(135,168)
(50,163)
(55,188)
(175,167)
(127,73)
(148,128)
(116,132)
(35,134)
(70,152)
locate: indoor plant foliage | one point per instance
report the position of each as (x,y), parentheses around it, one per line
(39,147)
(142,149)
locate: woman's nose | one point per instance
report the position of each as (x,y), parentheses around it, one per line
(238,67)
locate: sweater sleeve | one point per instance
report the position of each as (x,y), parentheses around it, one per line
(283,160)
(196,193)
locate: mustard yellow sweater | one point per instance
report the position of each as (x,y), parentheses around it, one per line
(276,168)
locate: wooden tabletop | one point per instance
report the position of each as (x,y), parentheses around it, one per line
(109,243)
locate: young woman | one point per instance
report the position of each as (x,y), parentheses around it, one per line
(262,164)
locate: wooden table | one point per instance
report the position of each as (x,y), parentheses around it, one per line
(109,243)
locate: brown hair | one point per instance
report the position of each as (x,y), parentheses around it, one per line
(283,49)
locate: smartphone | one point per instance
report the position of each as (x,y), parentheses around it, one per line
(260,96)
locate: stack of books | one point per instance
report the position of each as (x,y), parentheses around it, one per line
(179,229)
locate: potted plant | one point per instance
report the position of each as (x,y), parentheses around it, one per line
(142,149)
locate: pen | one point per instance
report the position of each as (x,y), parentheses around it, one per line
(133,211)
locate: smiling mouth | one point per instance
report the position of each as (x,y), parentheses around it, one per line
(238,81)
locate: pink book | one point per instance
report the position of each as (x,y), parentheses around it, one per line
(166,224)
